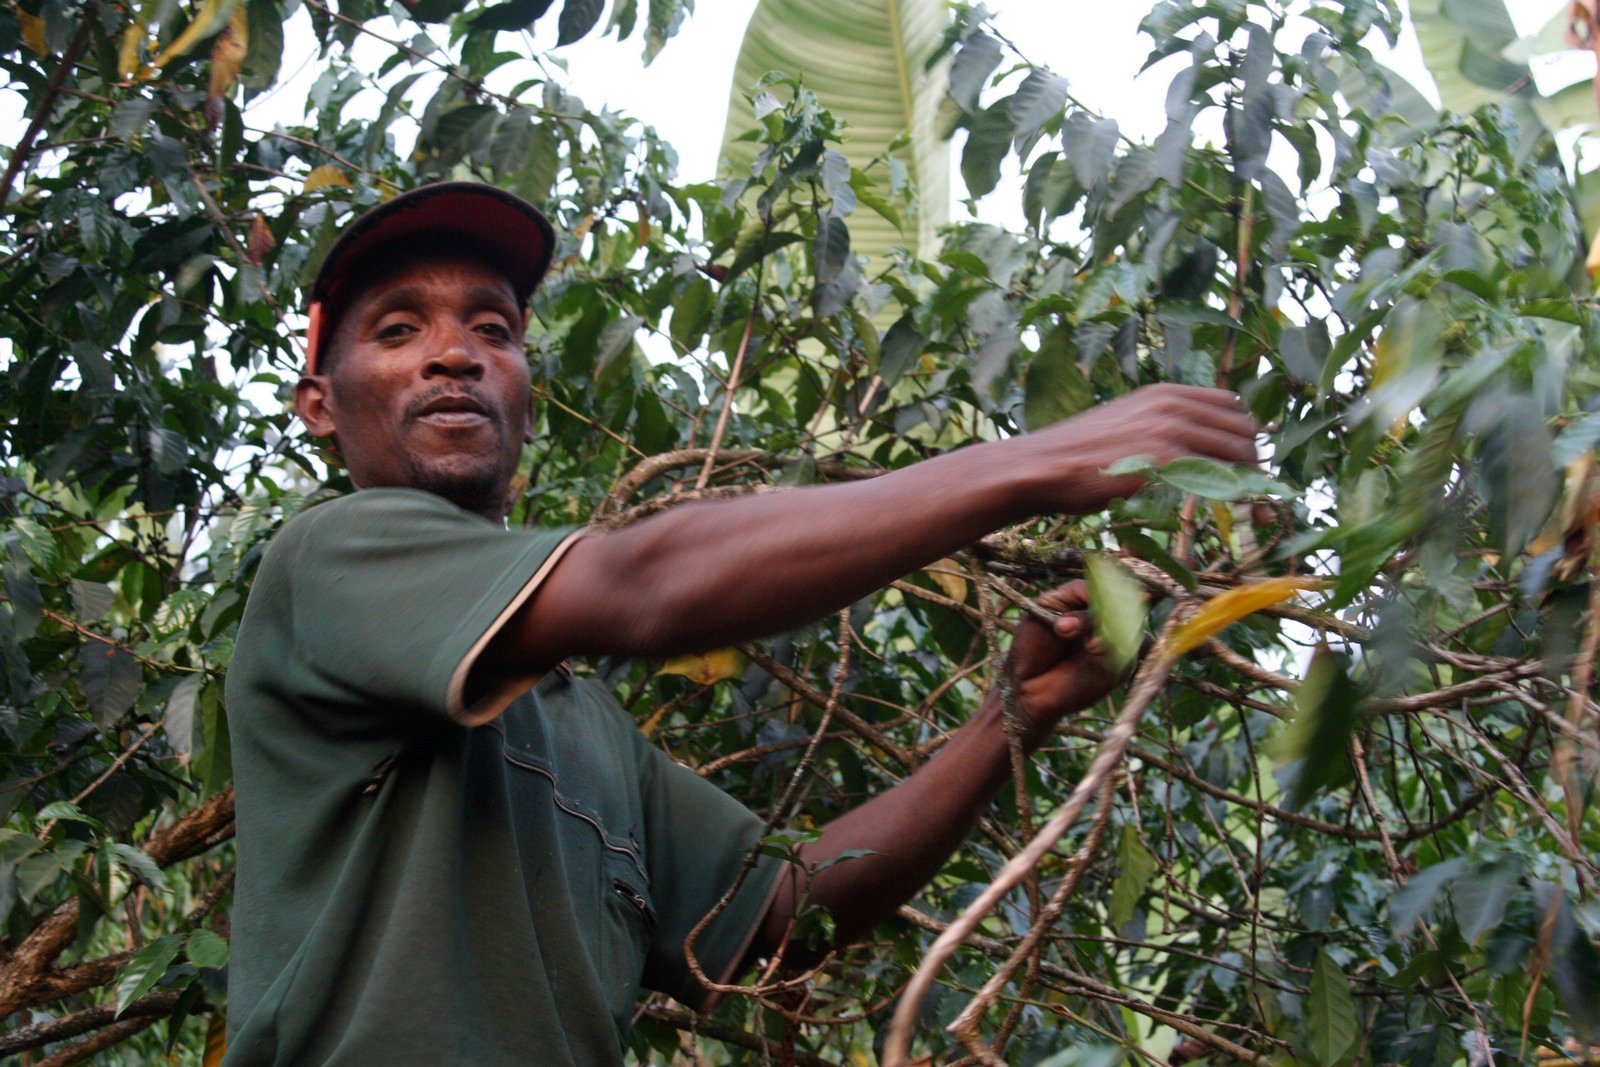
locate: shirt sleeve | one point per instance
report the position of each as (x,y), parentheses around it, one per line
(698,838)
(394,593)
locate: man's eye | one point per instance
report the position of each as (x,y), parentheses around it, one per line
(495,331)
(395,331)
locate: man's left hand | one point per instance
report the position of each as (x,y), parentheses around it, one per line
(1058,669)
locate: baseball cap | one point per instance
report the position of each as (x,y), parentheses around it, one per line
(510,233)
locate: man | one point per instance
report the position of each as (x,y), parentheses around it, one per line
(451,851)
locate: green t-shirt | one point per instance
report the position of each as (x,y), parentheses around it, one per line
(413,890)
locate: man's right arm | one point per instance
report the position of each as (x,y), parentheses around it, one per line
(710,574)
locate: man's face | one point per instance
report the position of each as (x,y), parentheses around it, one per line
(429,387)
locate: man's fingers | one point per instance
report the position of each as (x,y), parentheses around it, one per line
(1225,398)
(1073,625)
(1069,596)
(1230,420)
(1227,447)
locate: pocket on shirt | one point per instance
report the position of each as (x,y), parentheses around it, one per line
(628,923)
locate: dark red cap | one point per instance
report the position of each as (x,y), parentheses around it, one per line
(511,234)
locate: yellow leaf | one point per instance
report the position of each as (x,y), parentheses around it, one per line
(216,1041)
(1391,358)
(1388,359)
(213,15)
(128,57)
(1227,608)
(1222,514)
(323,177)
(648,727)
(707,668)
(1593,262)
(33,31)
(227,54)
(951,584)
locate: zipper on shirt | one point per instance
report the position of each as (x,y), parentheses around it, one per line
(379,773)
(636,900)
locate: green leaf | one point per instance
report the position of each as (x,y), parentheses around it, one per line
(1566,108)
(1519,476)
(532,180)
(139,864)
(1328,707)
(763,244)
(39,871)
(1086,1056)
(1217,481)
(1147,549)
(1134,177)
(691,315)
(1445,30)
(1055,388)
(461,131)
(615,339)
(578,17)
(1139,464)
(66,811)
(1136,868)
(265,53)
(1579,436)
(1332,1011)
(91,601)
(516,15)
(1091,145)
(206,949)
(832,249)
(1481,899)
(900,348)
(1040,96)
(111,679)
(975,60)
(37,544)
(146,969)
(177,722)
(1573,965)
(662,19)
(844,856)
(1304,351)
(213,764)
(1408,903)
(27,602)
(988,141)
(1118,602)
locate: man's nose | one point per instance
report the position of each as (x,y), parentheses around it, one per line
(455,356)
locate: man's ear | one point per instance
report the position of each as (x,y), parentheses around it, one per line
(313,402)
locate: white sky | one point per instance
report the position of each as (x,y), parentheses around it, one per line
(1095,44)
(683,94)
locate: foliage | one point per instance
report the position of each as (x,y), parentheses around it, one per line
(874,65)
(1389,862)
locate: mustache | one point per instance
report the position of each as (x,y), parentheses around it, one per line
(420,403)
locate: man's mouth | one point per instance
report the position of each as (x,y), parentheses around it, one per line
(453,411)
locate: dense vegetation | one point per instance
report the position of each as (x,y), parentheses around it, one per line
(1355,825)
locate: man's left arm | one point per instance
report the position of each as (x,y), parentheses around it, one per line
(913,828)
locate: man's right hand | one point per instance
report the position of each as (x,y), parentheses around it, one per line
(1165,422)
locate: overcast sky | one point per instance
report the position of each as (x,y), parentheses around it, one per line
(684,93)
(1094,43)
